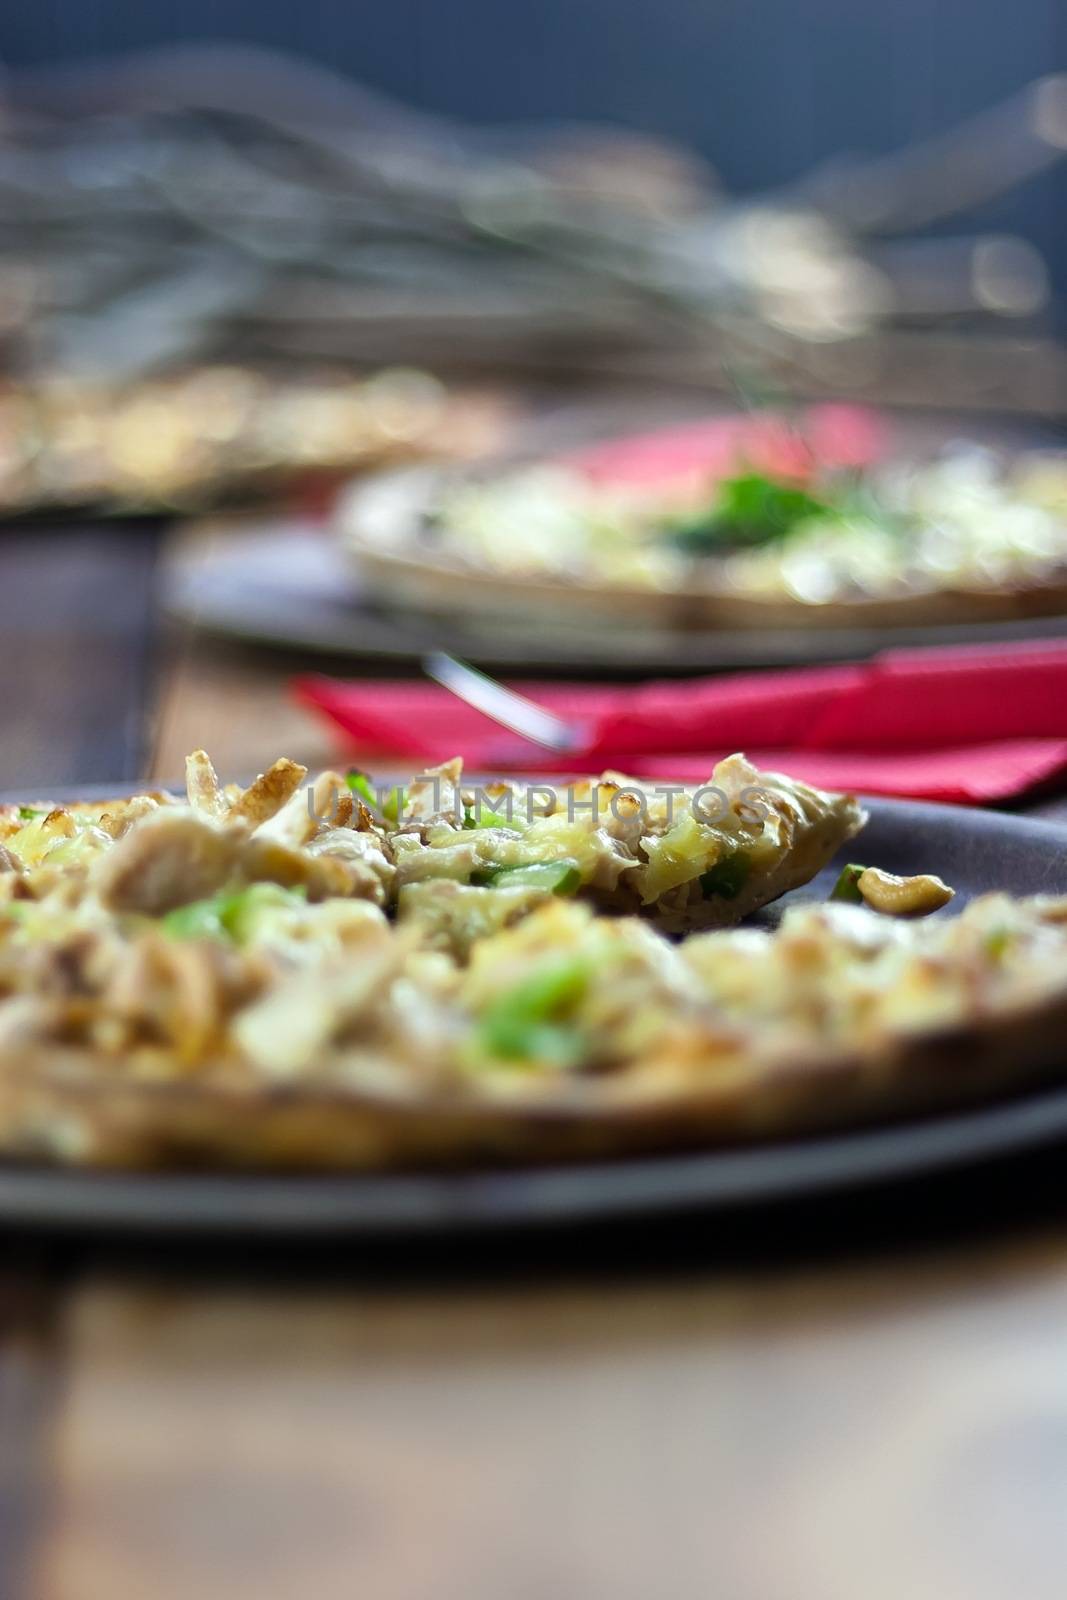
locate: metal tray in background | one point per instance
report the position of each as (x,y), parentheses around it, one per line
(287,586)
(286,583)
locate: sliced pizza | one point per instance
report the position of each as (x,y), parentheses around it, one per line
(325,975)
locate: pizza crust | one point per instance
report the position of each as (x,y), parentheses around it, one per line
(418,580)
(53,1105)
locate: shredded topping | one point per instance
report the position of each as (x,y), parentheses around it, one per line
(288,932)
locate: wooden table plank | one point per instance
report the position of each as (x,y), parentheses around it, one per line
(236,706)
(828,1433)
(31,1287)
(77,632)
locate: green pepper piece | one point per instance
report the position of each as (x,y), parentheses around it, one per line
(238,911)
(748,510)
(527,1023)
(847,886)
(228,916)
(200,919)
(557,877)
(727,877)
(473,818)
(27,813)
(360,784)
(391,806)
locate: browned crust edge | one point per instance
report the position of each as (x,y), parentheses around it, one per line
(53,1106)
(413,575)
(417,579)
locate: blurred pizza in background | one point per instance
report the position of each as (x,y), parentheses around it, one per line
(768,519)
(222,434)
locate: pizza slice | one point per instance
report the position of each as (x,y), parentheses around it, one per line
(473,858)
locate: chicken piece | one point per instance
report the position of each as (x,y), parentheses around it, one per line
(265,859)
(266,797)
(202,785)
(621,813)
(286,1032)
(119,822)
(294,824)
(439,862)
(367,849)
(327,801)
(79,963)
(26,1019)
(173,990)
(332,803)
(452,916)
(434,795)
(168,859)
(60,824)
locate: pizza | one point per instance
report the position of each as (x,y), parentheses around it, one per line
(789,541)
(222,435)
(333,974)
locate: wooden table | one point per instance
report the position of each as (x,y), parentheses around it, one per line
(841,1403)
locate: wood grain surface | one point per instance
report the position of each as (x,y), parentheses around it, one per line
(32,1304)
(815,1434)
(77,652)
(238,709)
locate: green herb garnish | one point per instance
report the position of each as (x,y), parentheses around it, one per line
(230,916)
(27,813)
(474,817)
(528,1022)
(393,804)
(748,510)
(727,877)
(360,784)
(557,877)
(847,886)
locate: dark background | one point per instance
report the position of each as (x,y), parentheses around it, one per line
(764,88)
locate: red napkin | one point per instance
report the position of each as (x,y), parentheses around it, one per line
(971,725)
(824,435)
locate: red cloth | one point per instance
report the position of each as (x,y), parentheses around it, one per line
(825,436)
(972,725)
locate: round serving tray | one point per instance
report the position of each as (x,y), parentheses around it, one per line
(287,585)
